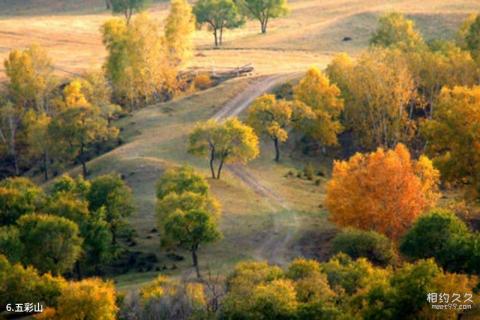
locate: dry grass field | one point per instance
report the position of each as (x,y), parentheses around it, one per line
(310,34)
(155,137)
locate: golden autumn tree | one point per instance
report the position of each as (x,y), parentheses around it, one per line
(453,135)
(179,28)
(87,299)
(382,191)
(377,90)
(270,117)
(316,92)
(228,142)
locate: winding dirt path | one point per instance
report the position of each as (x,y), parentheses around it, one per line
(274,246)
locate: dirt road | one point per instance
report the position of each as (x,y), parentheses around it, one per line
(274,246)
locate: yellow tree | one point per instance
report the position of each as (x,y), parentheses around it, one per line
(382,191)
(30,78)
(270,117)
(87,299)
(377,90)
(395,31)
(316,92)
(453,135)
(137,63)
(228,142)
(179,29)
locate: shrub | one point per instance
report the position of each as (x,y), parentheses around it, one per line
(440,235)
(202,81)
(368,244)
(309,171)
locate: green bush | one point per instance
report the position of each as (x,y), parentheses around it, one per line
(368,244)
(440,234)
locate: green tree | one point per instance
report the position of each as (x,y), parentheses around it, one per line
(218,15)
(440,235)
(94,229)
(179,28)
(376,247)
(127,7)
(270,117)
(190,229)
(395,31)
(228,142)
(10,244)
(77,129)
(264,10)
(472,38)
(18,197)
(180,180)
(52,244)
(112,194)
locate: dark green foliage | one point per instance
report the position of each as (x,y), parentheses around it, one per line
(368,244)
(51,244)
(128,7)
(10,244)
(218,15)
(440,235)
(473,37)
(112,194)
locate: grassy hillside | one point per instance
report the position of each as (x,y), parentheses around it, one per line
(310,34)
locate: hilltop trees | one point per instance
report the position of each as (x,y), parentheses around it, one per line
(395,31)
(453,134)
(227,142)
(218,15)
(382,191)
(127,7)
(186,214)
(263,10)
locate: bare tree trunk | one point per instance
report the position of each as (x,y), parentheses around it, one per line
(220,168)
(195,261)
(45,165)
(108,4)
(277,150)
(81,157)
(212,159)
(221,35)
(215,35)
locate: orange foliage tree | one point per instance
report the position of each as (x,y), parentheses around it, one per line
(382,191)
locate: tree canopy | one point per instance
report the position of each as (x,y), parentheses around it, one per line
(228,142)
(382,191)
(264,10)
(394,30)
(218,15)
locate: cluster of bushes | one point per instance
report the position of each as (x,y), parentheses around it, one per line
(341,288)
(76,224)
